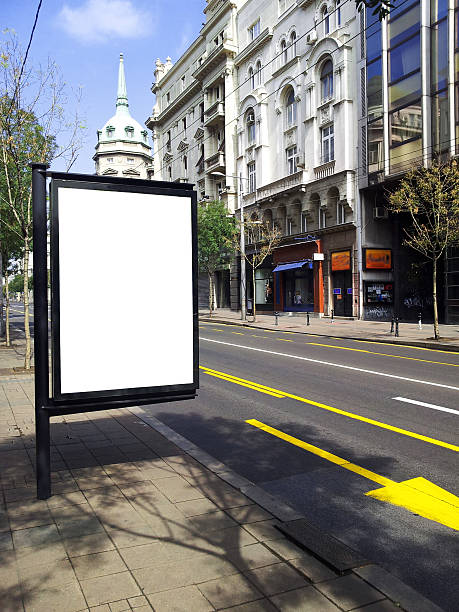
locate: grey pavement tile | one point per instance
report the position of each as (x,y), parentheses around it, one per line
(35,536)
(124,539)
(306,600)
(251,556)
(40,555)
(31,519)
(276,578)
(159,553)
(231,537)
(157,470)
(10,589)
(260,605)
(312,568)
(85,525)
(19,494)
(185,465)
(94,482)
(90,472)
(98,564)
(196,507)
(120,606)
(264,530)
(66,597)
(183,573)
(177,489)
(136,602)
(213,521)
(349,592)
(66,499)
(380,606)
(62,513)
(144,487)
(17,508)
(6,542)
(249,514)
(229,591)
(64,487)
(121,468)
(185,599)
(89,544)
(50,574)
(285,549)
(105,589)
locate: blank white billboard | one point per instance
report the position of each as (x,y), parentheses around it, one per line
(125,283)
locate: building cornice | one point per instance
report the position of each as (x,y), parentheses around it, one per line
(214,59)
(254,45)
(177,66)
(175,105)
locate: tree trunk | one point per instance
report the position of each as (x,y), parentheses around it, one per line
(211,293)
(254,307)
(7,309)
(28,347)
(434,295)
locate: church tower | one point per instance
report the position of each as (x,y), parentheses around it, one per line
(122,147)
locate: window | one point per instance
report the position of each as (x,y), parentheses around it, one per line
(439,79)
(110,131)
(254,30)
(326,20)
(182,83)
(291,109)
(374,90)
(185,165)
(251,171)
(338,12)
(340,213)
(144,134)
(251,78)
(322,218)
(326,80)
(129,131)
(293,44)
(304,222)
(328,144)
(258,72)
(130,160)
(168,143)
(289,227)
(201,112)
(169,172)
(283,47)
(250,121)
(184,123)
(168,98)
(291,160)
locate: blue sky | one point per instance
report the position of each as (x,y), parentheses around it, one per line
(85,38)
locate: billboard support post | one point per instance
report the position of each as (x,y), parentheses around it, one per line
(42,441)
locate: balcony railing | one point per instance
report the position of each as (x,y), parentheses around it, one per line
(216,162)
(324,170)
(215,113)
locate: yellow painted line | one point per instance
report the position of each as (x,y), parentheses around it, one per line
(351,415)
(346,348)
(284,340)
(416,348)
(417,495)
(315,335)
(238,333)
(248,386)
(218,330)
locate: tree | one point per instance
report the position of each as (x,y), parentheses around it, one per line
(262,238)
(430,196)
(32,118)
(380,7)
(215,230)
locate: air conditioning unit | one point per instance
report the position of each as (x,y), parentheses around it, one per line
(311,38)
(299,160)
(251,118)
(380,212)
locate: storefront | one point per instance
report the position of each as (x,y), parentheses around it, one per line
(341,278)
(378,292)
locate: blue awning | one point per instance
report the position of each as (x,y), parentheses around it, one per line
(292,265)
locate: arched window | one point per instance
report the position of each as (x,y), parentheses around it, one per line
(326,20)
(326,80)
(291,108)
(250,123)
(338,12)
(251,78)
(258,72)
(293,44)
(283,52)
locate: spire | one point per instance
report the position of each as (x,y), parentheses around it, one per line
(121,98)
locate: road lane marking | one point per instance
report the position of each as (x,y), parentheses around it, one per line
(284,340)
(242,384)
(426,405)
(335,365)
(238,333)
(347,348)
(416,348)
(418,495)
(352,415)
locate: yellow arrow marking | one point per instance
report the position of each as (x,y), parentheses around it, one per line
(346,348)
(417,495)
(277,392)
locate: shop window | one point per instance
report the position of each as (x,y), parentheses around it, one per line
(263,286)
(328,144)
(291,160)
(326,80)
(291,108)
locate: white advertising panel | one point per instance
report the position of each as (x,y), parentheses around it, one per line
(125,288)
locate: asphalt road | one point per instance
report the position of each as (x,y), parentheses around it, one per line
(274,376)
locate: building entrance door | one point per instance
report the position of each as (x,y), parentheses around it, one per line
(342,299)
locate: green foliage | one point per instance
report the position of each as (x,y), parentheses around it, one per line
(431,197)
(215,231)
(16,285)
(380,7)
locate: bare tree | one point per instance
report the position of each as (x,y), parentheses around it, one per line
(34,127)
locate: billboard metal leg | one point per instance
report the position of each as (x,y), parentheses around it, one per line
(43,454)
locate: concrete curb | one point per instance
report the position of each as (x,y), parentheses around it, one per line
(389,340)
(394,589)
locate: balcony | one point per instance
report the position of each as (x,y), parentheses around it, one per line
(292,182)
(217,56)
(214,114)
(324,170)
(215,163)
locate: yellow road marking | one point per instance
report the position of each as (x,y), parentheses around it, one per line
(255,388)
(417,348)
(352,415)
(346,348)
(417,495)
(284,340)
(238,333)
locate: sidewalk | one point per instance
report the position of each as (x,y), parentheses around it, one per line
(409,333)
(141,519)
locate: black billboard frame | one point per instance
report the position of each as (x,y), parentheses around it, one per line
(56,403)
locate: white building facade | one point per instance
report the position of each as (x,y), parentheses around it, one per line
(262,102)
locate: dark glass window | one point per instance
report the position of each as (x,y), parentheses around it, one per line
(326,79)
(440,122)
(404,25)
(400,7)
(374,89)
(405,58)
(375,145)
(439,55)
(438,10)
(374,46)
(405,91)
(406,123)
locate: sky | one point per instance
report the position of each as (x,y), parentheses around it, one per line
(85,39)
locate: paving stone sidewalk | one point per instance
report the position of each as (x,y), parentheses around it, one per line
(138,523)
